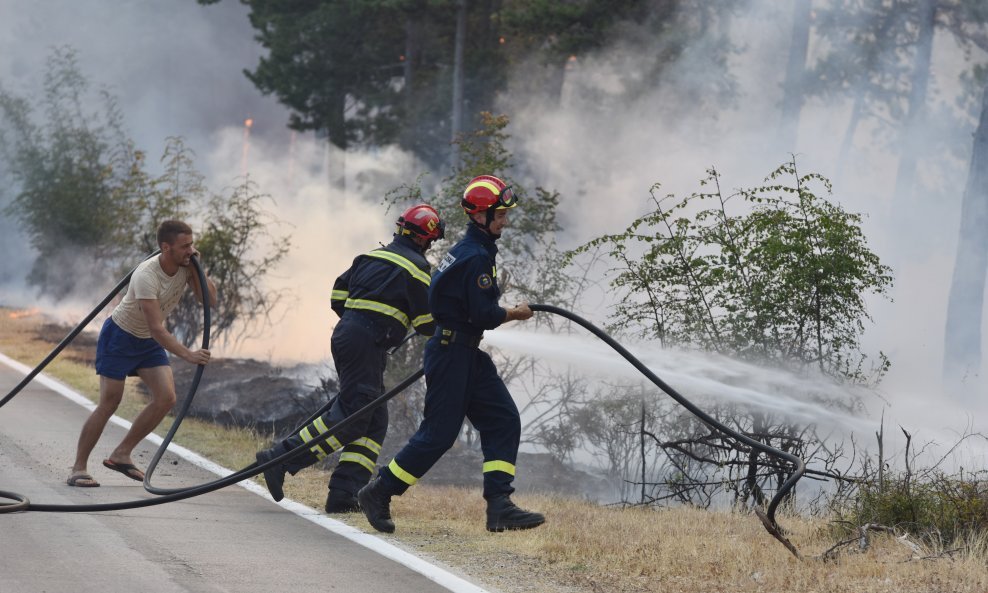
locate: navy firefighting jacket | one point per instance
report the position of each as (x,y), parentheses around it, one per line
(392,281)
(464,291)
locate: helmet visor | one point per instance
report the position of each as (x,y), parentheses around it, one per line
(506,199)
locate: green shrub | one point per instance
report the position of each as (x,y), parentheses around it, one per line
(936,507)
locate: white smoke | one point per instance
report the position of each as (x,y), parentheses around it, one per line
(604,155)
(328,228)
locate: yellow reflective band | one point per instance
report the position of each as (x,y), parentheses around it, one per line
(369,444)
(494,271)
(317,449)
(422,320)
(403,262)
(378,308)
(482,183)
(499,466)
(332,441)
(358,459)
(402,474)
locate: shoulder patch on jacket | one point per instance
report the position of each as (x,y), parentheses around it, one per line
(484,281)
(447,262)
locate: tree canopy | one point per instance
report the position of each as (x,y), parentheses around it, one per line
(374,72)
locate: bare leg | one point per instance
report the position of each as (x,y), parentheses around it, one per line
(110,393)
(161,382)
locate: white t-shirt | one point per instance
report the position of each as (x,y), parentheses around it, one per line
(149,281)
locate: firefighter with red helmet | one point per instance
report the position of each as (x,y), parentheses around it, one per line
(461,380)
(382,296)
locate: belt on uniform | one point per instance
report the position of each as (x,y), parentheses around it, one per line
(448,336)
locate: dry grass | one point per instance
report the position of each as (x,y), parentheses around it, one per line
(583,547)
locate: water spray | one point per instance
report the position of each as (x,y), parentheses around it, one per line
(767,517)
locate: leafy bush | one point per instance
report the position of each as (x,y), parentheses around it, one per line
(91,209)
(936,508)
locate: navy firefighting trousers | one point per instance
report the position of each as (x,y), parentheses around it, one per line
(359,347)
(462,382)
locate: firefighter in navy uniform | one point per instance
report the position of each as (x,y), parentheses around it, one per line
(461,380)
(382,296)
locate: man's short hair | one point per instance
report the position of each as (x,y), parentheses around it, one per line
(169,231)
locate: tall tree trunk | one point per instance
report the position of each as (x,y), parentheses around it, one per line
(410,136)
(962,339)
(336,159)
(554,77)
(911,133)
(888,18)
(848,143)
(792,98)
(413,50)
(458,76)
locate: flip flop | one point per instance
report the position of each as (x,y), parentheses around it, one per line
(82,480)
(127,469)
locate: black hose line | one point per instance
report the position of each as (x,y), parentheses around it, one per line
(72,334)
(170,495)
(21,504)
(243,474)
(193,387)
(799,467)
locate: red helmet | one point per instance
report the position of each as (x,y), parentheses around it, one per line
(486,192)
(423,221)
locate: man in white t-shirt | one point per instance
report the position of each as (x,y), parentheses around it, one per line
(133,341)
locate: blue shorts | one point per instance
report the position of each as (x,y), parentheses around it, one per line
(119,354)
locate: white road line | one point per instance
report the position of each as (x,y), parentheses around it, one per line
(371,542)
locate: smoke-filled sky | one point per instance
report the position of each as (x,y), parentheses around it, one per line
(176,68)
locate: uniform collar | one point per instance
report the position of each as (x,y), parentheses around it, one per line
(475,233)
(407,242)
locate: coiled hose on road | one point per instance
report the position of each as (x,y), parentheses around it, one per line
(21,503)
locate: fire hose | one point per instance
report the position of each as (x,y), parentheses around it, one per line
(21,503)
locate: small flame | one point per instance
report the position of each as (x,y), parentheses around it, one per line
(243,159)
(24,313)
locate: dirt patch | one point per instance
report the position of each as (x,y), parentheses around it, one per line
(82,349)
(252,394)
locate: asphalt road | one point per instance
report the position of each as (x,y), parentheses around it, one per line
(229,540)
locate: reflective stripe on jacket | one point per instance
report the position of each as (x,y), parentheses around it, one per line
(392,281)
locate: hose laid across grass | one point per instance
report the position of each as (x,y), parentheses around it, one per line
(169,495)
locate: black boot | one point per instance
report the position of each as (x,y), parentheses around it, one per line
(502,514)
(341,501)
(375,502)
(274,476)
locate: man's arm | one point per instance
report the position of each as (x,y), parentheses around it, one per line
(152,314)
